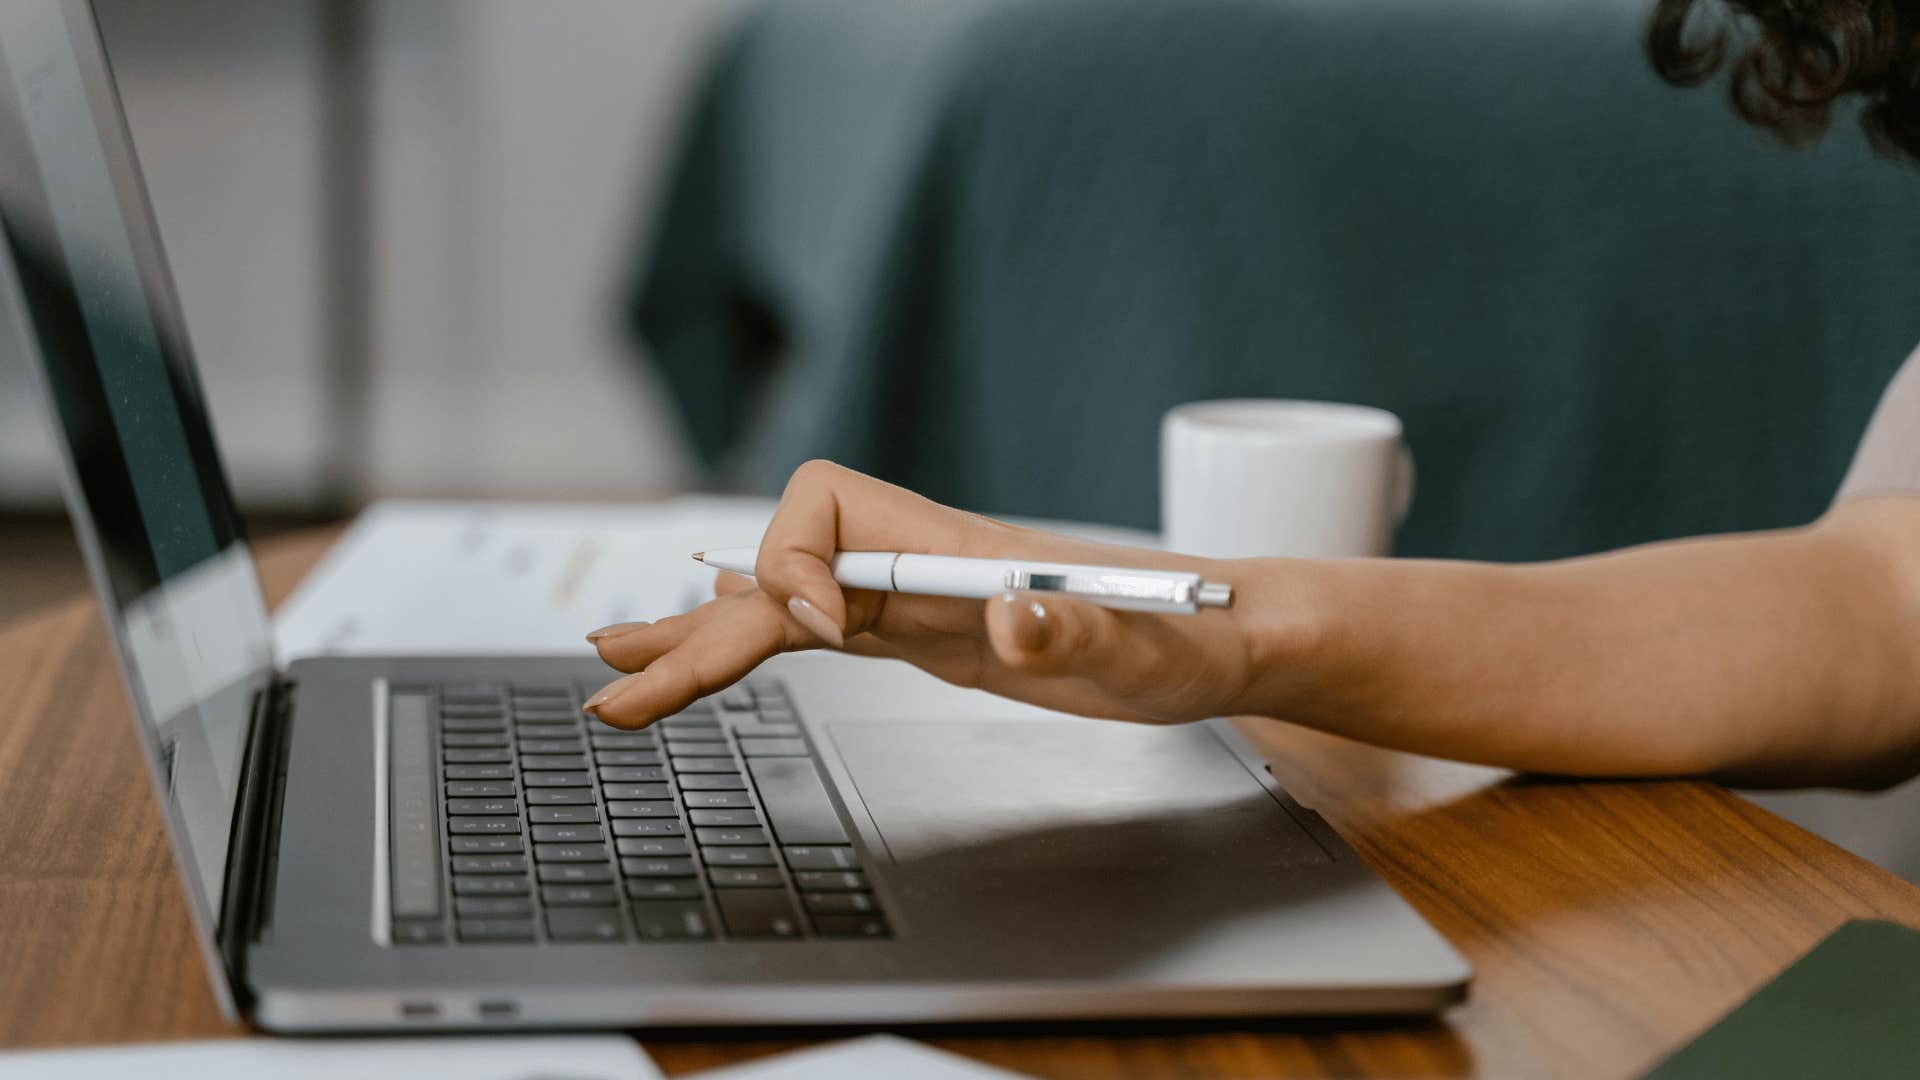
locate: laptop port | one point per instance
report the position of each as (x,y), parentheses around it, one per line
(497,1010)
(419,1010)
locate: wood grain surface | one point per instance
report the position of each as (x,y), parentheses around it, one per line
(1608,922)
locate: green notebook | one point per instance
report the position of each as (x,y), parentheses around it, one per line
(1850,1008)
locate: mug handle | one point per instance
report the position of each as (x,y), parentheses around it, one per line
(1403,485)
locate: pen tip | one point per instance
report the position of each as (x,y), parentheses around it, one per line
(699,556)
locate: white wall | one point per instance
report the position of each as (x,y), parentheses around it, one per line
(516,151)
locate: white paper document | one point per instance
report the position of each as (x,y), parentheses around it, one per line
(875,1057)
(480,578)
(600,1057)
(477,579)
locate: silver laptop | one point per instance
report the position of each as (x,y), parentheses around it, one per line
(408,843)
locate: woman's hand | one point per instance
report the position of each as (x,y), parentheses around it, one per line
(1046,649)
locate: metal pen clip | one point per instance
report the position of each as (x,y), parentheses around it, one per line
(1143,591)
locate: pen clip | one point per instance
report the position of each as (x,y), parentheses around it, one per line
(1146,588)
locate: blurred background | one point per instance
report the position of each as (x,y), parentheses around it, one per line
(399,231)
(616,250)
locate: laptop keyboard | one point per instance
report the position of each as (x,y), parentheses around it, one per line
(516,818)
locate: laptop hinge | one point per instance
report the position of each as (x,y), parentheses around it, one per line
(253,853)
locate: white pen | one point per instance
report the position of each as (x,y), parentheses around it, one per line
(1168,591)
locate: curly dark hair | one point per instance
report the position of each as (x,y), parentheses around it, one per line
(1794,60)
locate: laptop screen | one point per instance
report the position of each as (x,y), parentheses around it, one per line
(95,309)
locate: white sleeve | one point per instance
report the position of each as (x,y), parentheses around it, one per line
(1889,456)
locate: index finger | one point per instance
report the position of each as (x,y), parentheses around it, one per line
(827,509)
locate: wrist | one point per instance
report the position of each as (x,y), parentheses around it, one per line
(1285,622)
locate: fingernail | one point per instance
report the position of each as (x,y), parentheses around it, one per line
(614,630)
(816,622)
(1031,628)
(609,692)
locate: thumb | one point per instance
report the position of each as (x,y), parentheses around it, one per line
(1056,635)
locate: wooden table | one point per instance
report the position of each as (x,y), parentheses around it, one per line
(1609,922)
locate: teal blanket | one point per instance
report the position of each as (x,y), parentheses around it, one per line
(979,246)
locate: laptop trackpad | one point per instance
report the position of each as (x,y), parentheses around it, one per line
(1067,796)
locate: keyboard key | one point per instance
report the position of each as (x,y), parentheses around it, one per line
(671,920)
(766,731)
(483,806)
(840,903)
(560,796)
(552,746)
(548,762)
(485,930)
(830,880)
(553,730)
(732,781)
(585,924)
(492,907)
(624,774)
(418,933)
(487,707)
(708,800)
(470,691)
(739,877)
(725,817)
(795,799)
(704,765)
(578,895)
(758,913)
(656,808)
(479,788)
(649,827)
(456,738)
(490,886)
(564,815)
(663,888)
(636,791)
(485,845)
(737,856)
(575,873)
(627,757)
(574,853)
(645,868)
(482,825)
(545,712)
(822,858)
(474,723)
(541,690)
(773,747)
(653,845)
(698,747)
(478,757)
(489,864)
(851,926)
(730,837)
(633,741)
(737,696)
(557,779)
(479,772)
(567,834)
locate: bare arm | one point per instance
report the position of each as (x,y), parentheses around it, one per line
(1790,657)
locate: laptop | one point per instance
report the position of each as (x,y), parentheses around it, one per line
(394,843)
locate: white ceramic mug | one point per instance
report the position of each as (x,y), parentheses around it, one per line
(1312,479)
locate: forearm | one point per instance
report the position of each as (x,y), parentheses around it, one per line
(1790,657)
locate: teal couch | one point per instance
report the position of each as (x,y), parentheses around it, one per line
(979,246)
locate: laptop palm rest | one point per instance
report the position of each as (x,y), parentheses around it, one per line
(1035,818)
